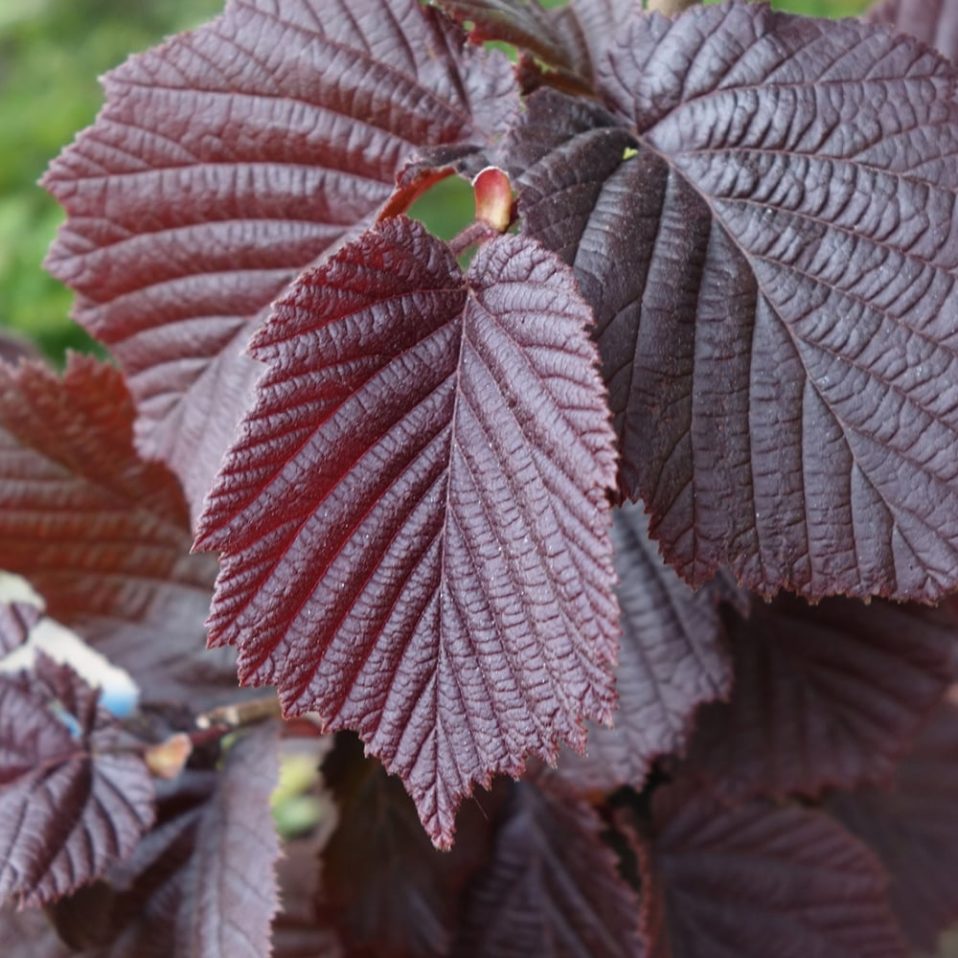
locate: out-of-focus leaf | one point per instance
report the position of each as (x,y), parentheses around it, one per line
(74,794)
(201,883)
(385,887)
(102,535)
(824,696)
(552,888)
(757,880)
(933,21)
(912,826)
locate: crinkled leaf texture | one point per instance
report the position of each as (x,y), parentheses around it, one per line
(571,39)
(672,658)
(552,888)
(913,827)
(103,536)
(765,227)
(759,880)
(201,883)
(827,695)
(384,886)
(16,620)
(228,159)
(74,794)
(414,522)
(933,21)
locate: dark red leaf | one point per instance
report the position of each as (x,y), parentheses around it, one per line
(202,883)
(414,522)
(671,659)
(766,241)
(552,888)
(74,795)
(933,21)
(913,828)
(228,892)
(103,536)
(16,621)
(571,39)
(760,880)
(134,906)
(228,159)
(385,887)
(827,695)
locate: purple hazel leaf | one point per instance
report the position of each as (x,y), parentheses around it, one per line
(824,696)
(672,658)
(912,825)
(29,934)
(384,886)
(16,620)
(757,880)
(203,881)
(552,888)
(102,535)
(229,892)
(766,232)
(74,794)
(227,160)
(414,522)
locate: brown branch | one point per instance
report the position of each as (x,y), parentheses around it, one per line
(241,713)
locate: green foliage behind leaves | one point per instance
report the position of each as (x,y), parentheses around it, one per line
(51,53)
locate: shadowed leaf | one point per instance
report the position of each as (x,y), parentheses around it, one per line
(385,887)
(672,658)
(913,828)
(757,880)
(827,695)
(552,888)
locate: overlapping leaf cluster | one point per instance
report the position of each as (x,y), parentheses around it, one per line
(594,513)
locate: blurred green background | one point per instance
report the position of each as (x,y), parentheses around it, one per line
(51,53)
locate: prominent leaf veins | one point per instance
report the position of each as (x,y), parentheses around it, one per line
(228,159)
(74,796)
(414,522)
(102,535)
(766,229)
